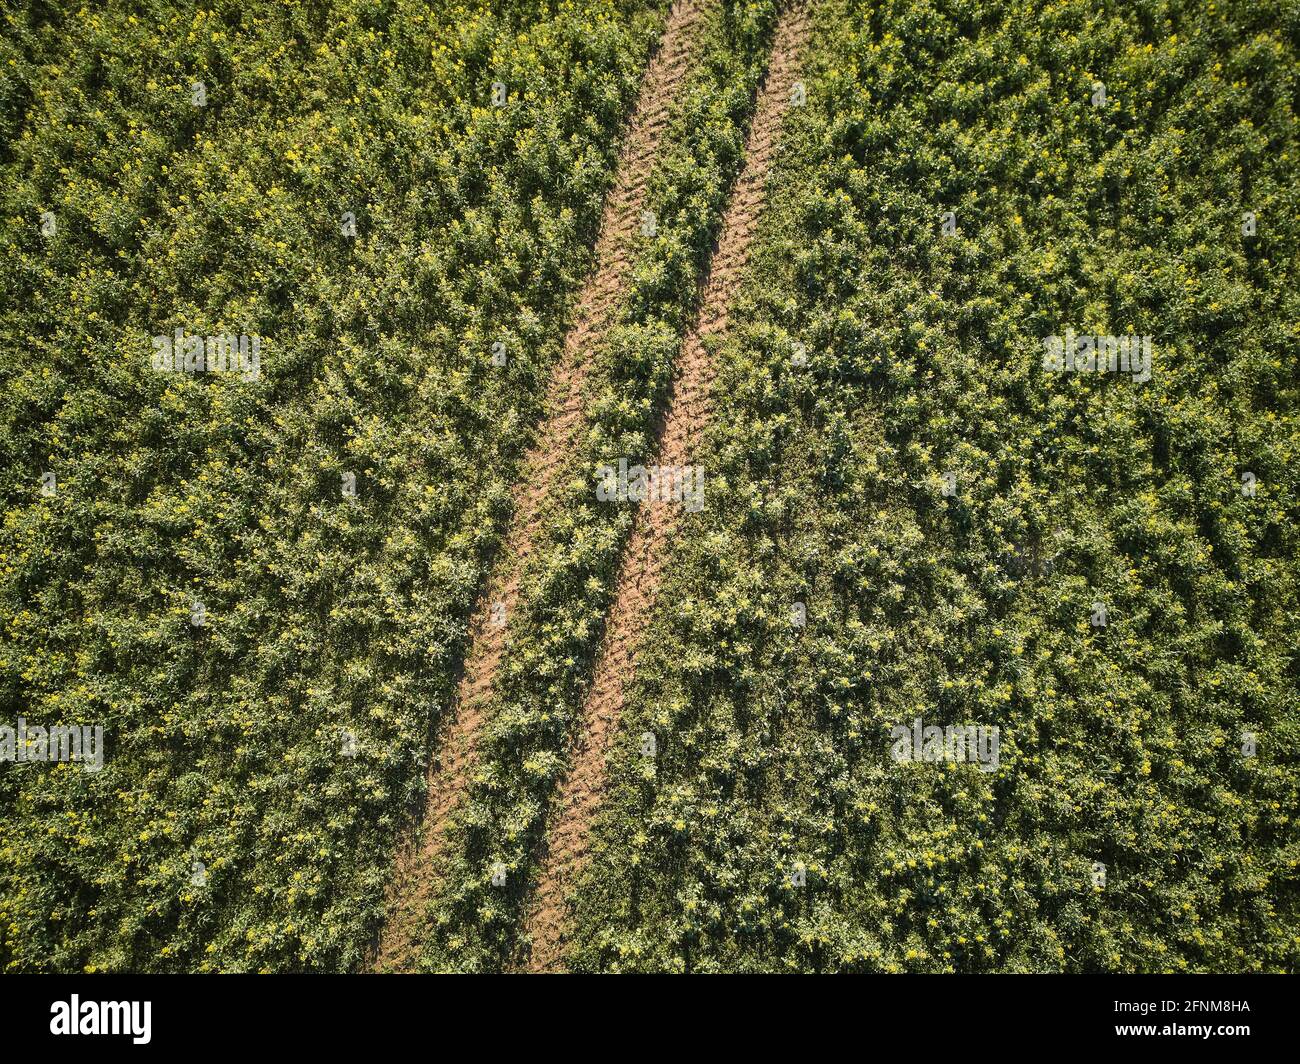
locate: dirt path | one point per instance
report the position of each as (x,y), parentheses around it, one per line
(638,580)
(420,864)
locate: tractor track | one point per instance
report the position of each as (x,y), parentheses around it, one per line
(686,416)
(420,863)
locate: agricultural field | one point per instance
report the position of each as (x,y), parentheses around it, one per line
(617,486)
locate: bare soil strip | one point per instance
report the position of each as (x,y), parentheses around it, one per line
(687,413)
(419,864)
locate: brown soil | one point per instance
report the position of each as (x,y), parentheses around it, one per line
(420,864)
(638,580)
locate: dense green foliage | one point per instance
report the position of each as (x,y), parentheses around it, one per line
(1120,744)
(129,211)
(324,613)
